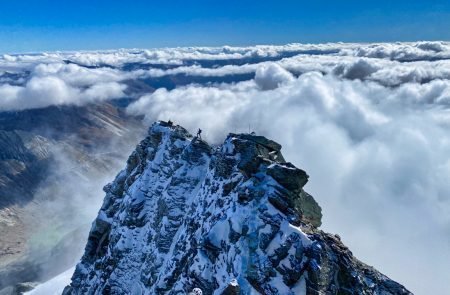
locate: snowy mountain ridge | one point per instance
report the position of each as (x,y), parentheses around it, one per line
(188,218)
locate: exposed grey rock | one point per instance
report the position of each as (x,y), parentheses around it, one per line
(261,140)
(289,176)
(232,288)
(186,218)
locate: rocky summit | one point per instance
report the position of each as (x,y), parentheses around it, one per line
(185,217)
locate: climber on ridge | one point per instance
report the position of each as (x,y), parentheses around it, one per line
(199,133)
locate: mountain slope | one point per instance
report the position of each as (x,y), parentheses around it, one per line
(186,217)
(51,160)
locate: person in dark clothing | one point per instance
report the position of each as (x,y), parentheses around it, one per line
(199,133)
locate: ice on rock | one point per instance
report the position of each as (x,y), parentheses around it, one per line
(187,218)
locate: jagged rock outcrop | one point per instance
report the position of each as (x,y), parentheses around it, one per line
(188,218)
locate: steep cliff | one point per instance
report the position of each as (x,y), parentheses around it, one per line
(185,217)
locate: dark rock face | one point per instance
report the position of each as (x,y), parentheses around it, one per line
(288,176)
(187,218)
(232,288)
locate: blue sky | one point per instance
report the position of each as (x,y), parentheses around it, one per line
(27,26)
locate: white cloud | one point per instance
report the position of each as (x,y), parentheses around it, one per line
(384,71)
(369,122)
(41,92)
(62,84)
(175,56)
(377,156)
(271,76)
(357,69)
(79,76)
(404,51)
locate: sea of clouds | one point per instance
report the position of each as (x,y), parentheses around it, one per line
(368,122)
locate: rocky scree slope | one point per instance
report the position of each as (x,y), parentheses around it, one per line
(185,217)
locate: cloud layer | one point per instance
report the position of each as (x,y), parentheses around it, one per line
(369,122)
(378,157)
(77,78)
(60,84)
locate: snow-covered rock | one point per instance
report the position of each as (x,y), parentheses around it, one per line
(185,217)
